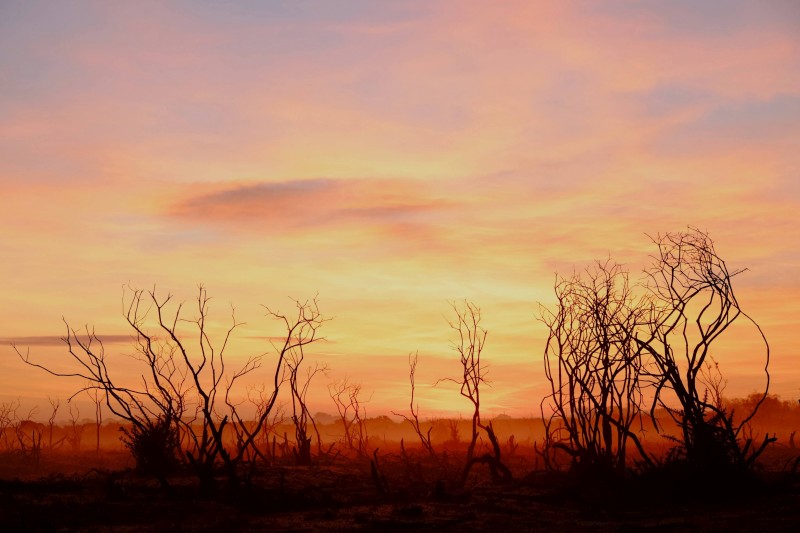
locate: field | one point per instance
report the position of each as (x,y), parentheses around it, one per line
(101,491)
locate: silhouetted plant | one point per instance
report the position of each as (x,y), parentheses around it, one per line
(154,445)
(97,399)
(29,434)
(8,416)
(301,416)
(608,349)
(55,403)
(180,386)
(183,382)
(453,433)
(349,404)
(260,447)
(469,346)
(75,434)
(301,331)
(424,436)
(270,424)
(593,365)
(512,445)
(139,408)
(378,478)
(695,304)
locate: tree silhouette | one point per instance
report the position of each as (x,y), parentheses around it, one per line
(695,305)
(182,392)
(609,349)
(353,414)
(469,346)
(413,419)
(593,363)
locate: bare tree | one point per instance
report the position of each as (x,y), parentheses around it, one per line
(55,404)
(259,401)
(353,414)
(141,409)
(301,330)
(469,346)
(424,436)
(276,417)
(75,435)
(593,365)
(183,380)
(180,390)
(97,399)
(29,437)
(695,305)
(300,333)
(27,432)
(8,417)
(301,416)
(608,350)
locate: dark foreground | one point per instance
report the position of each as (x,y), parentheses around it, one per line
(346,497)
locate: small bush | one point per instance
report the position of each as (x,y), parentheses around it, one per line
(154,445)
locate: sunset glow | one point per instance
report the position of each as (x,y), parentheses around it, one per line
(391,158)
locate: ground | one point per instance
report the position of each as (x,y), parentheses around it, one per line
(344,496)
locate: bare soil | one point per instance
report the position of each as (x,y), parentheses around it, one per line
(62,494)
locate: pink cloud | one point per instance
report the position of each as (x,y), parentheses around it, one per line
(315,204)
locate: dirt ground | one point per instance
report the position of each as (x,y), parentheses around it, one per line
(410,495)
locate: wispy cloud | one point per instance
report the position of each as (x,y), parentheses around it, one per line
(749,125)
(313,204)
(55,340)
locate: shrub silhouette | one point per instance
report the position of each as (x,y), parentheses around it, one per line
(183,401)
(154,445)
(471,337)
(609,348)
(593,365)
(694,304)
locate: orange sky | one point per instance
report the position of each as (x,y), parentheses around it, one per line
(391,157)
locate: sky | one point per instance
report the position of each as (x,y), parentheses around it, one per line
(392,158)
